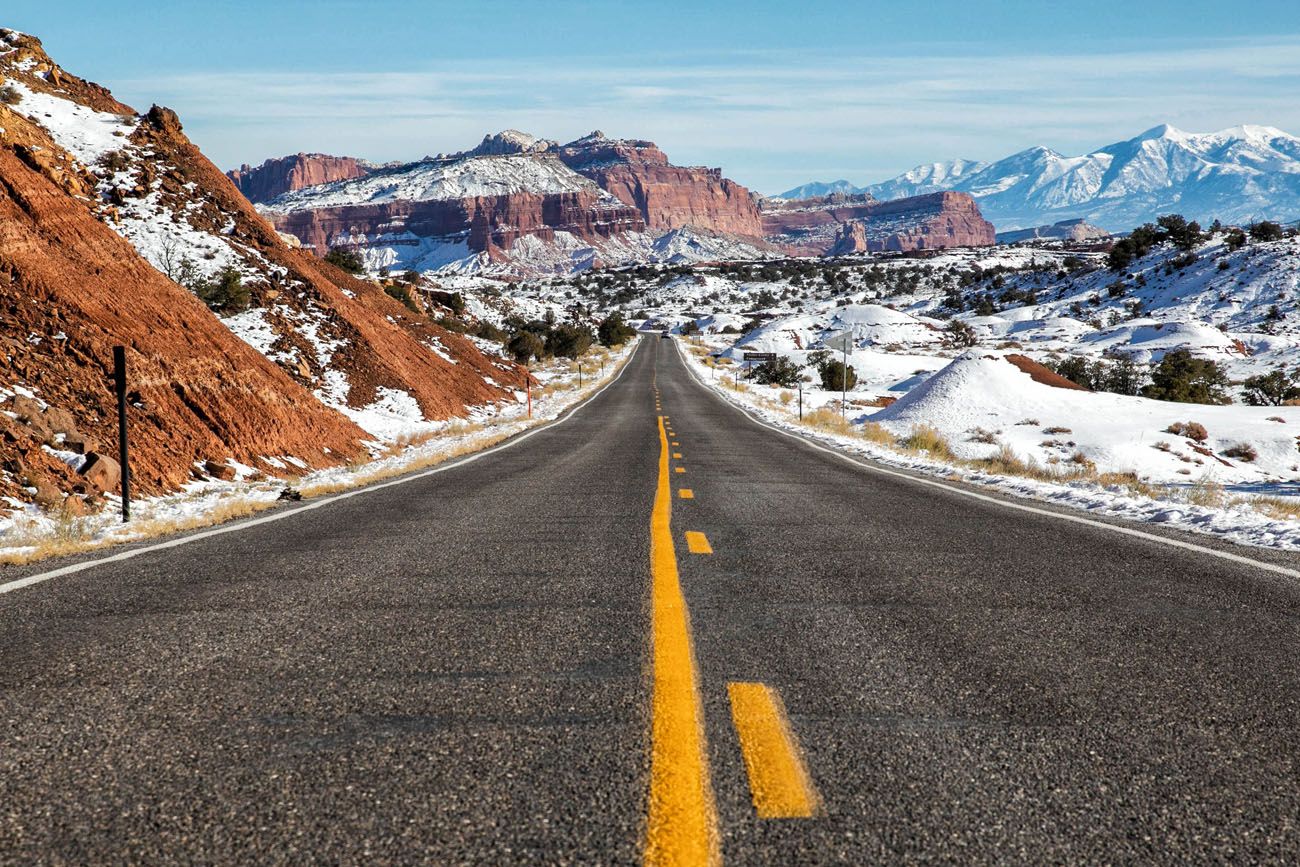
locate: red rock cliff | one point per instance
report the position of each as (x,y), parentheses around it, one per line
(851,224)
(668,196)
(276,176)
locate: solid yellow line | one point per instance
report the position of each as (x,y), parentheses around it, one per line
(686,494)
(698,543)
(682,826)
(778,780)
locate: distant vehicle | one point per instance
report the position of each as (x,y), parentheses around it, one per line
(665,335)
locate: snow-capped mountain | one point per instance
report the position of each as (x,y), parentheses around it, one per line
(1238,175)
(817,189)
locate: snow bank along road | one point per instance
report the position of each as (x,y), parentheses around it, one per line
(654,632)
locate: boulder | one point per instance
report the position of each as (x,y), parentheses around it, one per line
(218,470)
(60,420)
(79,443)
(101,472)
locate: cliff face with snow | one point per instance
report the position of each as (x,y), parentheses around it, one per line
(1237,175)
(112,220)
(841,225)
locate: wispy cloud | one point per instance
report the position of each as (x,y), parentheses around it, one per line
(770,118)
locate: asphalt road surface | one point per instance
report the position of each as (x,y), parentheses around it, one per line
(521,661)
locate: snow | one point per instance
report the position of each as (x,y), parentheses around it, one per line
(986,392)
(88,135)
(445,180)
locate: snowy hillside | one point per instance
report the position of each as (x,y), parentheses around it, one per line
(444,180)
(1241,174)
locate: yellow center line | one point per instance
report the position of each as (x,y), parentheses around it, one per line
(682,826)
(778,780)
(686,493)
(698,543)
(677,455)
(680,470)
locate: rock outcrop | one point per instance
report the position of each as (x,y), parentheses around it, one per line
(110,223)
(668,196)
(844,224)
(1077,230)
(276,176)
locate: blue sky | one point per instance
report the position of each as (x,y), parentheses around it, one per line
(777,93)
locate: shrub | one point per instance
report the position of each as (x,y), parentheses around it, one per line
(1266,230)
(115,161)
(1057,430)
(225,293)
(488,331)
(404,293)
(780,371)
(1242,452)
(570,340)
(1273,388)
(1190,429)
(347,260)
(980,435)
(525,346)
(836,378)
(960,335)
(614,331)
(1182,378)
(10,95)
(1205,492)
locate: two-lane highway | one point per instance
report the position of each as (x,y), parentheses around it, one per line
(655,631)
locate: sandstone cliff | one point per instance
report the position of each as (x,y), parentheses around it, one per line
(842,224)
(277,176)
(668,196)
(102,213)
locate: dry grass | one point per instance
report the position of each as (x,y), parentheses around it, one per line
(1131,484)
(827,420)
(1190,429)
(925,439)
(73,535)
(1279,508)
(876,433)
(1205,492)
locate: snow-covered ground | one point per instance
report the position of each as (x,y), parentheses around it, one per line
(1101,453)
(404,443)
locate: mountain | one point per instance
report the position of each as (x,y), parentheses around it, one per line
(113,222)
(818,189)
(523,204)
(1236,175)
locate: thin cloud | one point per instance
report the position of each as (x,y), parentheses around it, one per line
(770,118)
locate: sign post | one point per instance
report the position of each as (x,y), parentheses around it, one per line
(123,452)
(842,341)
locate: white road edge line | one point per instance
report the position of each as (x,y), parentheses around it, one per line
(1022,507)
(221,530)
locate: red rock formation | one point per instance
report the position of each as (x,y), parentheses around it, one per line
(71,287)
(489,224)
(850,224)
(668,196)
(276,176)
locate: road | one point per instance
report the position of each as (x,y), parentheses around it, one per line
(529,658)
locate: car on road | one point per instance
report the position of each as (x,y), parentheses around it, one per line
(665,335)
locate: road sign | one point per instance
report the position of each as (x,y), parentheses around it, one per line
(840,342)
(760,356)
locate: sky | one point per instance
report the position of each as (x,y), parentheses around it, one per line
(775,93)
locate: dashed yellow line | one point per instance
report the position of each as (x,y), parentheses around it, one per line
(677,455)
(686,493)
(682,825)
(778,780)
(698,543)
(680,470)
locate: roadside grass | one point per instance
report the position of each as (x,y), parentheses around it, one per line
(925,439)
